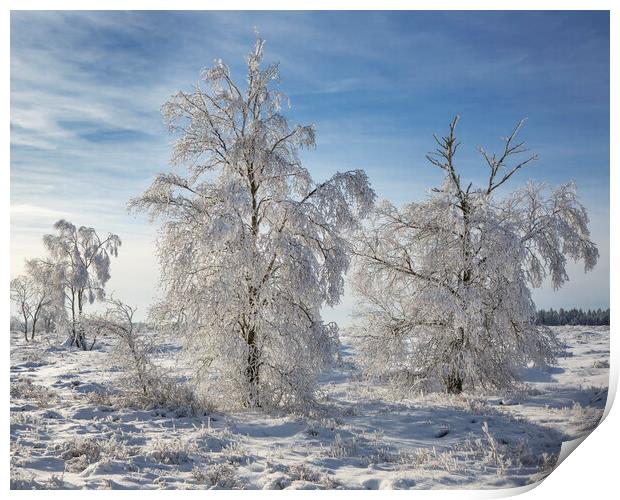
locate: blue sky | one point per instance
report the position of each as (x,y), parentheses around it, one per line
(86,89)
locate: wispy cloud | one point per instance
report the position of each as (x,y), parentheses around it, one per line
(27,210)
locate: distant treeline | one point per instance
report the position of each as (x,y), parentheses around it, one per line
(552,317)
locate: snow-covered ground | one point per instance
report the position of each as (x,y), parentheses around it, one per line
(67,431)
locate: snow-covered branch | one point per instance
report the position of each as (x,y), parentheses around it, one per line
(443,283)
(251,247)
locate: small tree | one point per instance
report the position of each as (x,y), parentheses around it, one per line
(33,297)
(444,283)
(21,295)
(79,268)
(46,297)
(145,384)
(131,350)
(16,323)
(251,247)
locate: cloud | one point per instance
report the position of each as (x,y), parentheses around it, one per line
(86,90)
(27,210)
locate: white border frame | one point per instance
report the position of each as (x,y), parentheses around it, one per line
(592,470)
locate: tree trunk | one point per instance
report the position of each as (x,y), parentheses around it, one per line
(25,324)
(253,358)
(454,383)
(252,371)
(73,333)
(35,318)
(80,337)
(453,380)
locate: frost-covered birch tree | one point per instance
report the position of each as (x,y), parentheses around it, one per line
(251,247)
(78,267)
(444,284)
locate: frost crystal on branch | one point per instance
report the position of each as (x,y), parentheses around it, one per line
(251,247)
(444,284)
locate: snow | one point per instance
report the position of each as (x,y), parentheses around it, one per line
(67,430)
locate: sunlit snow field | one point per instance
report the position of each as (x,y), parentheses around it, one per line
(67,430)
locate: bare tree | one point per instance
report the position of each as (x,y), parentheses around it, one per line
(444,284)
(36,297)
(132,350)
(21,295)
(145,383)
